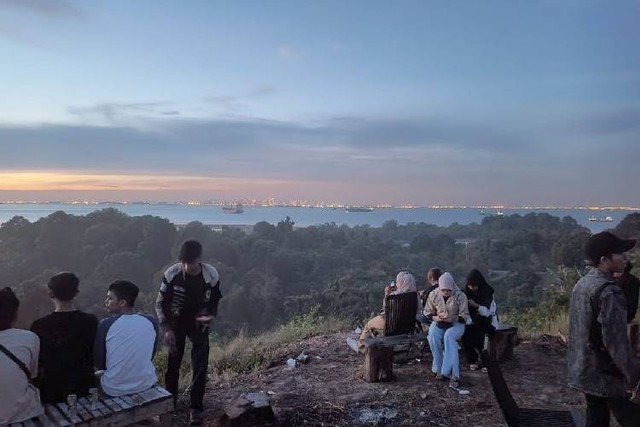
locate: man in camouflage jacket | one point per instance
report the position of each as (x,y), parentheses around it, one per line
(600,361)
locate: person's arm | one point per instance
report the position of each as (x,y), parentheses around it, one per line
(430,307)
(211,306)
(35,355)
(100,347)
(463,307)
(163,304)
(156,328)
(613,320)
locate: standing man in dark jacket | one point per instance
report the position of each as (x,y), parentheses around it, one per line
(599,358)
(187,303)
(630,288)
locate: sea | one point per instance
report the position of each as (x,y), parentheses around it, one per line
(304,216)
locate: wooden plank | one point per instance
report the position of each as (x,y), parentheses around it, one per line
(111,404)
(149,410)
(64,409)
(122,403)
(127,400)
(86,405)
(163,391)
(55,416)
(395,340)
(579,417)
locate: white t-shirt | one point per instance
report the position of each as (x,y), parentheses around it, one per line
(19,400)
(124,348)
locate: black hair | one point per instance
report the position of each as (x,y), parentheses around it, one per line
(475,278)
(9,304)
(64,286)
(190,251)
(125,290)
(435,273)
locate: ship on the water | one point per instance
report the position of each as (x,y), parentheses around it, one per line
(359,209)
(233,209)
(603,219)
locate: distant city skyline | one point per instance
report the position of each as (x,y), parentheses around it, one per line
(414,102)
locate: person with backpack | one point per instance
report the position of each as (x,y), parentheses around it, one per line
(600,360)
(19,349)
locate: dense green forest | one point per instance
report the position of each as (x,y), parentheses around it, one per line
(280,271)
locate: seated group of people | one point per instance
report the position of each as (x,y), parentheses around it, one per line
(468,315)
(69,352)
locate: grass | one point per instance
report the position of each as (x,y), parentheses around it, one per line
(246,352)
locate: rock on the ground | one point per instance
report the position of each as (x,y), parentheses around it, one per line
(251,409)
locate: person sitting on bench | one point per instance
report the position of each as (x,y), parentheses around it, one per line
(19,399)
(447,307)
(66,337)
(404,283)
(480,298)
(125,344)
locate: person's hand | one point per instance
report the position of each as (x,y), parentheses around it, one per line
(388,289)
(170,341)
(204,320)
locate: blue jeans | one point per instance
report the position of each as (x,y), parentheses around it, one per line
(444,348)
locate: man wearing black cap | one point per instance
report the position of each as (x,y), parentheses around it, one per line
(186,304)
(600,361)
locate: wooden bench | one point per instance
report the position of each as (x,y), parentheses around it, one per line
(504,339)
(399,328)
(526,417)
(112,412)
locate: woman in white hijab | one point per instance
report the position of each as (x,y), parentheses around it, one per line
(447,306)
(405,282)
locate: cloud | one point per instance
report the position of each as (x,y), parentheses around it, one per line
(45,8)
(619,121)
(112,112)
(287,53)
(238,101)
(416,160)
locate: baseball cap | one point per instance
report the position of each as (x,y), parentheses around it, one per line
(606,243)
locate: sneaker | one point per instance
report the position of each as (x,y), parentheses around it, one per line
(438,377)
(454,383)
(484,370)
(473,366)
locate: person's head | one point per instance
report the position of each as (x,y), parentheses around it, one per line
(405,282)
(607,251)
(433,275)
(475,280)
(63,286)
(9,304)
(190,254)
(121,296)
(446,284)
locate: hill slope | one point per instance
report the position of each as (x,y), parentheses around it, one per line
(329,391)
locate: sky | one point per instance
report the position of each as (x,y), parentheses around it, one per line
(510,102)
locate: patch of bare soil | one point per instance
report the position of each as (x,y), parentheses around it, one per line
(329,390)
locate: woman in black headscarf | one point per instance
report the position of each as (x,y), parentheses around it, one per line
(480,296)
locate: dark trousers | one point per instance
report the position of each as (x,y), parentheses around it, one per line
(473,340)
(624,411)
(199,364)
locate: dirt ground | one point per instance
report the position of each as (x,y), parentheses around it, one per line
(329,391)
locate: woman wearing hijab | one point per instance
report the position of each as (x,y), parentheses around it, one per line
(405,282)
(447,307)
(480,297)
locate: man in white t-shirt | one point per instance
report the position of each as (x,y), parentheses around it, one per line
(19,400)
(125,344)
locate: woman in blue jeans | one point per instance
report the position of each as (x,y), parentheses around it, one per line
(448,308)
